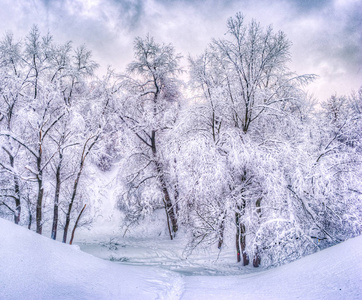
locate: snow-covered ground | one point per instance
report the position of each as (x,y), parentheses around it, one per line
(35,267)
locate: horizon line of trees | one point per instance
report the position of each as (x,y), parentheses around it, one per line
(248,153)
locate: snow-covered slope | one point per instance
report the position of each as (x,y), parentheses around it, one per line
(334,273)
(35,267)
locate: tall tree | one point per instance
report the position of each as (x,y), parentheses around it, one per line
(40,83)
(149,109)
(12,83)
(246,85)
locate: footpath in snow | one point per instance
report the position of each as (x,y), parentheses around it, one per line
(35,267)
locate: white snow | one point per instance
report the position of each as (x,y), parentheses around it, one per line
(35,267)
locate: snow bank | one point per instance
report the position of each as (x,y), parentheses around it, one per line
(334,273)
(35,267)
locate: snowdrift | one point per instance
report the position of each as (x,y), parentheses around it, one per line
(35,267)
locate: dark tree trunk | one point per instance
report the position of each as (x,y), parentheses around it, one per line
(168,224)
(17,193)
(67,221)
(221,233)
(243,244)
(16,188)
(167,200)
(70,206)
(83,157)
(39,203)
(171,215)
(17,200)
(258,208)
(36,78)
(30,214)
(257,258)
(176,193)
(74,193)
(56,199)
(76,224)
(237,240)
(30,220)
(39,177)
(240,241)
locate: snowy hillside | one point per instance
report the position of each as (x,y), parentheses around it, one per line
(35,267)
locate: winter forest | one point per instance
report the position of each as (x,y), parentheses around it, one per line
(226,149)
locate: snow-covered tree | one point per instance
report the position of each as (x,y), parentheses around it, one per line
(147,109)
(331,194)
(247,89)
(45,97)
(247,159)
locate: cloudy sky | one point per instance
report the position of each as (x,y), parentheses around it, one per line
(326,34)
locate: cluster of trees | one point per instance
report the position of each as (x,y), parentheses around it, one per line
(51,118)
(247,153)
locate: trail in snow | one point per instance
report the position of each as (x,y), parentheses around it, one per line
(35,267)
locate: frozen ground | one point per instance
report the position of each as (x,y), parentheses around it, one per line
(166,254)
(35,267)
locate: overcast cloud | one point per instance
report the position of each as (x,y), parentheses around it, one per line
(326,34)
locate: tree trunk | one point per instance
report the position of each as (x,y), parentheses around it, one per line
(243,244)
(168,224)
(56,199)
(167,200)
(76,224)
(221,233)
(84,155)
(39,203)
(17,200)
(30,220)
(36,78)
(70,206)
(176,192)
(16,186)
(257,258)
(237,240)
(39,177)
(17,193)
(67,221)
(240,241)
(166,196)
